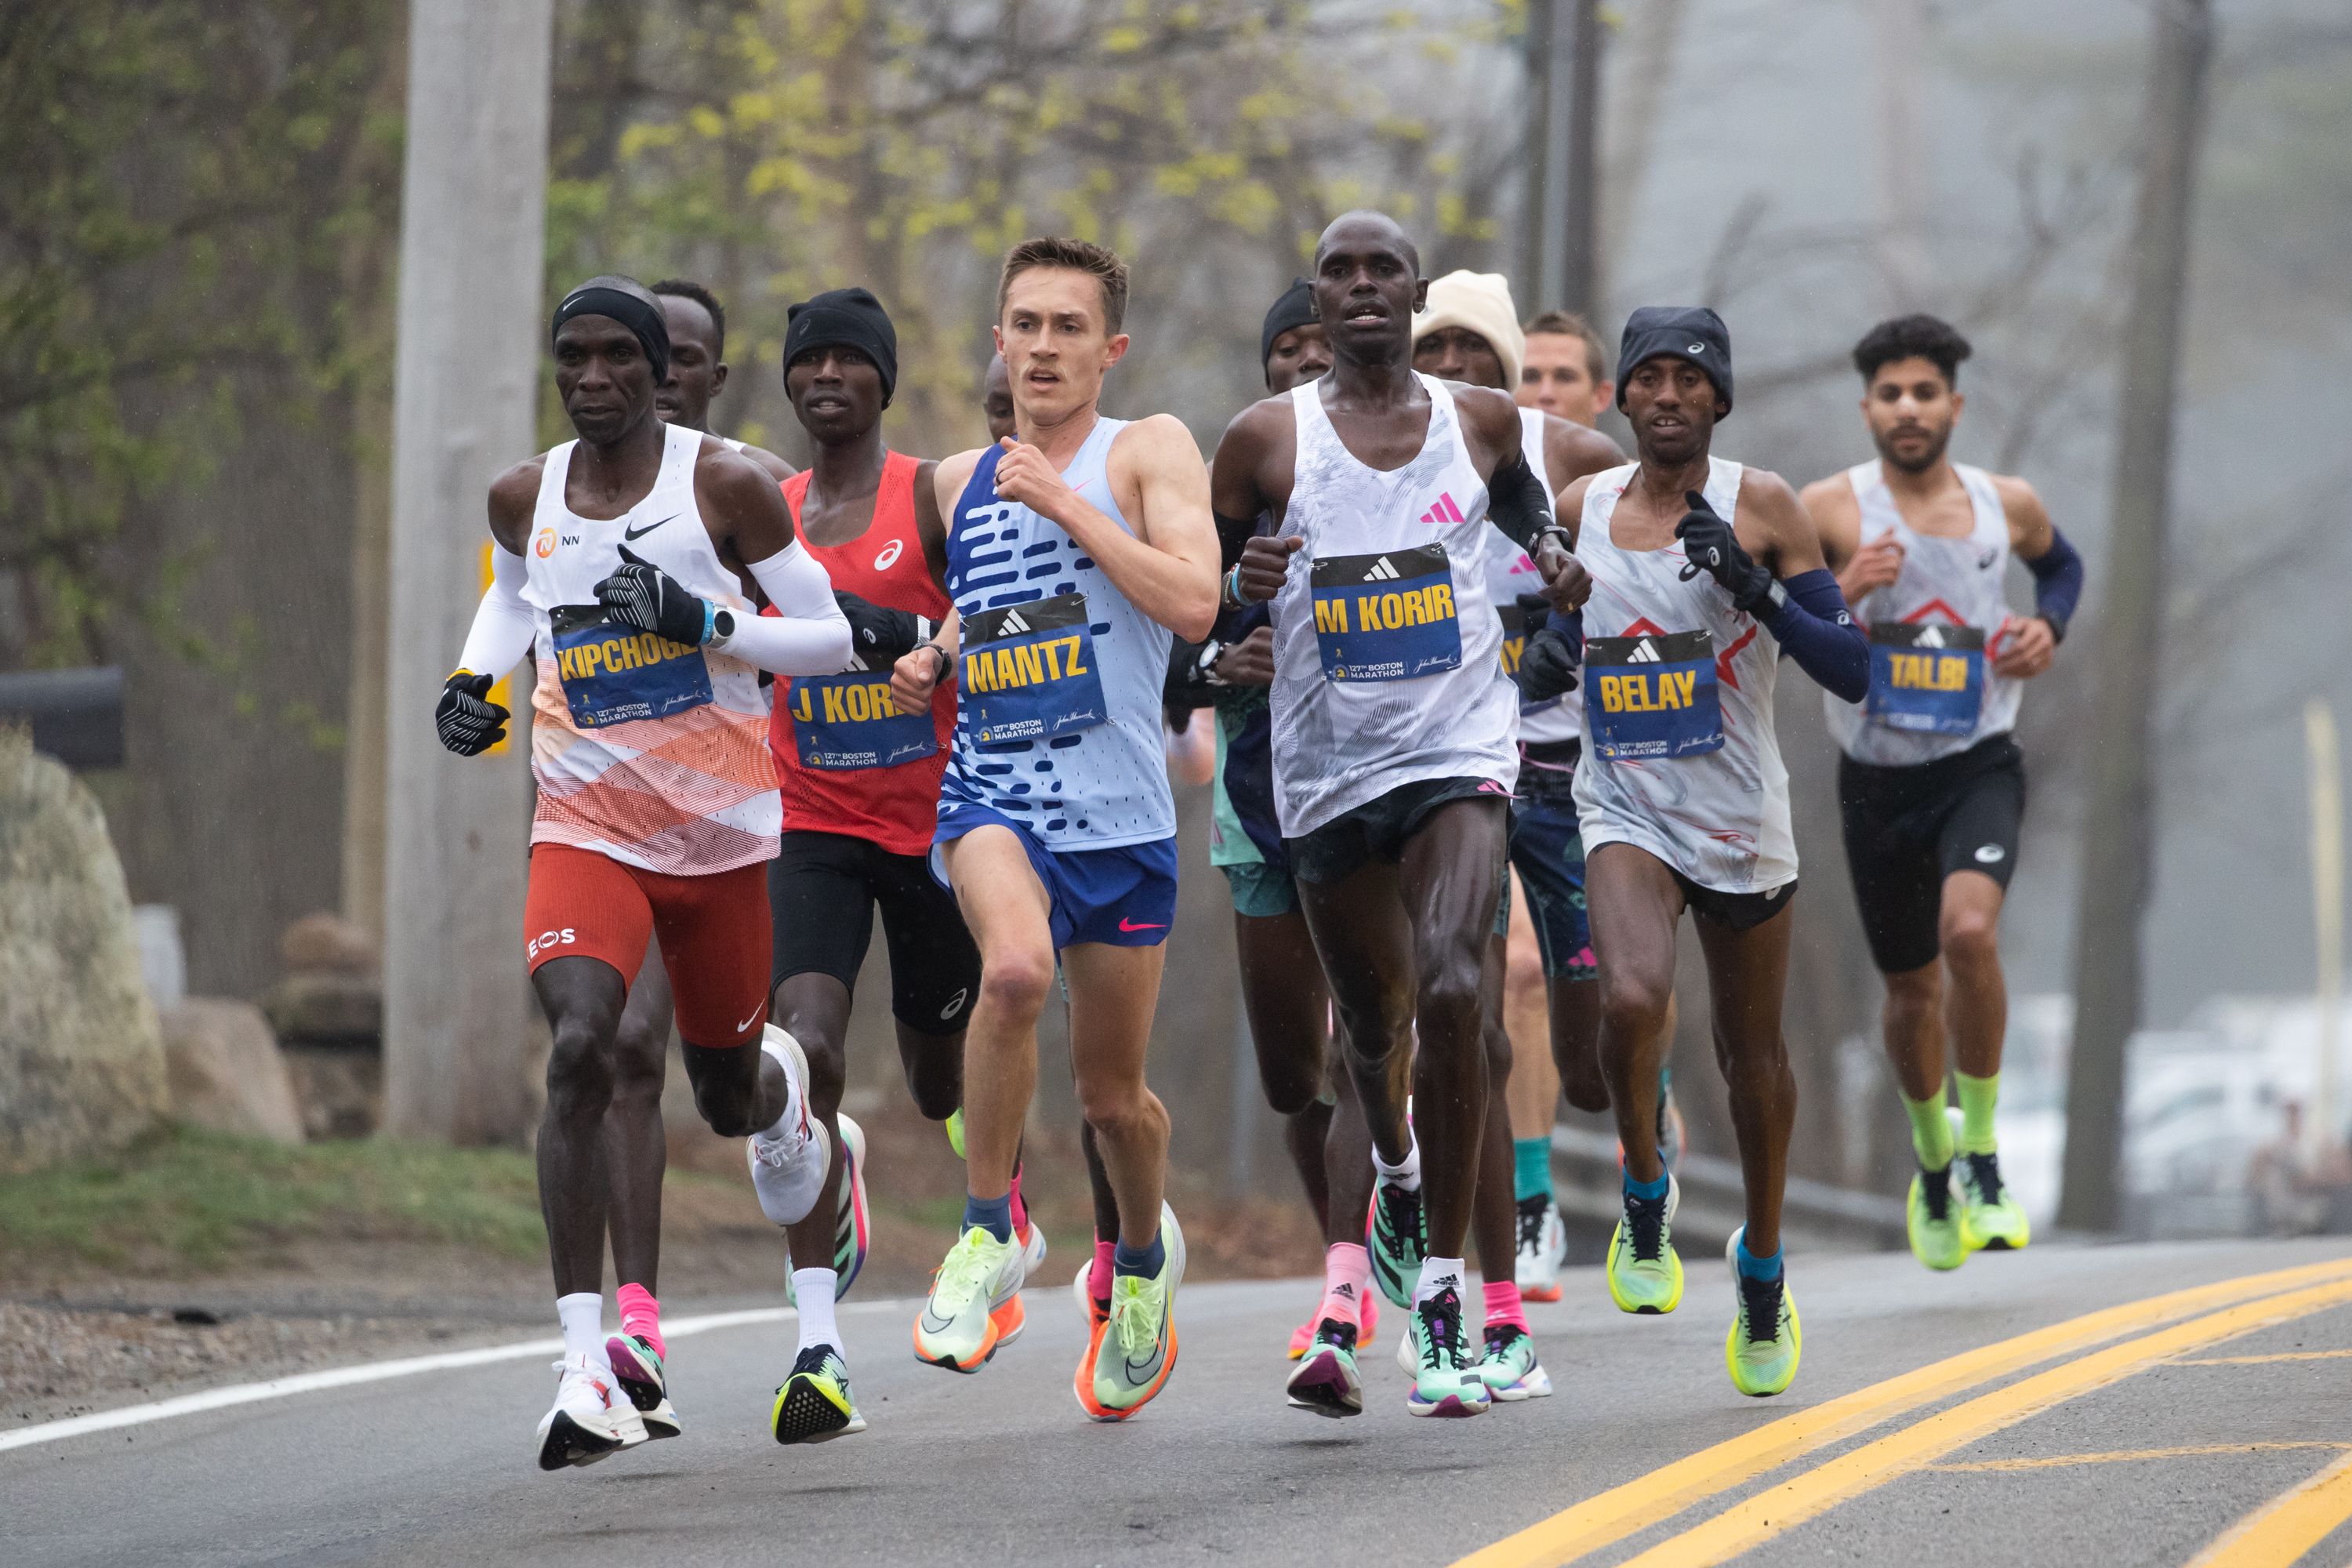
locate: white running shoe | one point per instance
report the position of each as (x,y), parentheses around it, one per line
(592,1416)
(788,1172)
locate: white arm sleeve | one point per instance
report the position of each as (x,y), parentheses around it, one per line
(504,628)
(808,635)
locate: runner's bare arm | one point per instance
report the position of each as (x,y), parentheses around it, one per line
(1251,475)
(1168,567)
(514,496)
(945,484)
(1774,527)
(1837,519)
(1519,499)
(920,671)
(775,466)
(1571,451)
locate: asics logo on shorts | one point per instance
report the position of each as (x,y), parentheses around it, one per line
(955,1005)
(547,939)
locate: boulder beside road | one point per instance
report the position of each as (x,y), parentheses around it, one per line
(226,1074)
(81,1050)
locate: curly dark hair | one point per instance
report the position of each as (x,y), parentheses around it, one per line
(1929,338)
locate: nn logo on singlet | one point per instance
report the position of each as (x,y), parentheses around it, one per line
(1445,511)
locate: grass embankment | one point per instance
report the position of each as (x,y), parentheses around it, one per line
(190,1201)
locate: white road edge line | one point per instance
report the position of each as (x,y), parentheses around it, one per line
(376,1371)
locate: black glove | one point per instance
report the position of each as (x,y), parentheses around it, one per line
(643,595)
(1547,666)
(877,636)
(1711,547)
(468,724)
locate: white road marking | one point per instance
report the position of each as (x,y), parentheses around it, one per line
(379,1372)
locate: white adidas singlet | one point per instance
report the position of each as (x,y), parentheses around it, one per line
(1510,574)
(1711,799)
(1945,582)
(1387,660)
(645,749)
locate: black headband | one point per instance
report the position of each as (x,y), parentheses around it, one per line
(627,301)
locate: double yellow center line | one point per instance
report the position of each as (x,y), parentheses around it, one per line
(2167,1326)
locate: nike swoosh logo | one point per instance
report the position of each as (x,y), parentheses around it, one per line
(935,1324)
(1126,924)
(750,1021)
(636,534)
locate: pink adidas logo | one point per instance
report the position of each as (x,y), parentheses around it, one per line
(1444,511)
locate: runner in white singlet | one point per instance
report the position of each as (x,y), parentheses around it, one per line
(1394,731)
(1704,573)
(1931,787)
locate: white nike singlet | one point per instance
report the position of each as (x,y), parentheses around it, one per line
(1375,688)
(1718,817)
(1944,581)
(1510,574)
(646,751)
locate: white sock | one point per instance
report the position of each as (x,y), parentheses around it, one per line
(813,1290)
(1406,1175)
(582,1314)
(789,1124)
(1438,1273)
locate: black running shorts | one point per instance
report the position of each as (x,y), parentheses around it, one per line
(1377,830)
(822,890)
(1908,829)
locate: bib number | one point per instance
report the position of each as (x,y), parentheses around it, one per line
(1647,698)
(615,674)
(1029,672)
(1925,678)
(1386,617)
(844,721)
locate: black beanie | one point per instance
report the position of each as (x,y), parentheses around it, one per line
(1682,332)
(845,318)
(627,301)
(1294,309)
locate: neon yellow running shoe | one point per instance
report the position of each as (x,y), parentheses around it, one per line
(1762,1351)
(955,1125)
(1932,1214)
(1991,1216)
(813,1405)
(1137,1348)
(1645,1273)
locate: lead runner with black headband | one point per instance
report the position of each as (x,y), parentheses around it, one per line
(625,561)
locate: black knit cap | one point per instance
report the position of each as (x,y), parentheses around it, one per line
(845,318)
(1294,309)
(627,301)
(1680,331)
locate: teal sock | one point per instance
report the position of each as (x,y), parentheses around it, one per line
(1530,1168)
(1931,1134)
(1652,1191)
(1754,1268)
(1977,1096)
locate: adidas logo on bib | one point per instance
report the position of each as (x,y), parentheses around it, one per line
(1012,626)
(1646,653)
(1932,638)
(1444,511)
(1382,571)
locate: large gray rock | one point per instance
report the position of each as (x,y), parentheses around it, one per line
(81,1054)
(225,1072)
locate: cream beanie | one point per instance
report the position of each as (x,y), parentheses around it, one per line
(1480,301)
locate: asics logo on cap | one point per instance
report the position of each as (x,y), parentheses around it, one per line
(1382,571)
(1697,349)
(1445,511)
(889,556)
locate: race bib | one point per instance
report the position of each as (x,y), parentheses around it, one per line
(1386,617)
(1518,626)
(842,721)
(616,674)
(1652,697)
(1925,676)
(1029,672)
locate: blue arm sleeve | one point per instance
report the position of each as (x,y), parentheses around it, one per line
(2057,581)
(1814,628)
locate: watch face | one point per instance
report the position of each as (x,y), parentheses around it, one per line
(722,624)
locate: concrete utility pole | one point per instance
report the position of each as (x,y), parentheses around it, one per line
(472,207)
(1571,153)
(2119,826)
(1899,81)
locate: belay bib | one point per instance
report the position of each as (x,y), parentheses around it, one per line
(850,721)
(1029,671)
(1652,696)
(1389,617)
(1926,677)
(613,674)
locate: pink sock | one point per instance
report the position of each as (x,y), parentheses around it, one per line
(1347,1270)
(1503,1306)
(641,1316)
(1098,1277)
(1020,1209)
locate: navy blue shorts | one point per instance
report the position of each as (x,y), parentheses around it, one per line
(1122,897)
(1548,852)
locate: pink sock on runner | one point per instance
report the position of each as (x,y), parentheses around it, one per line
(1347,1270)
(641,1316)
(1020,1209)
(1098,1277)
(1503,1306)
